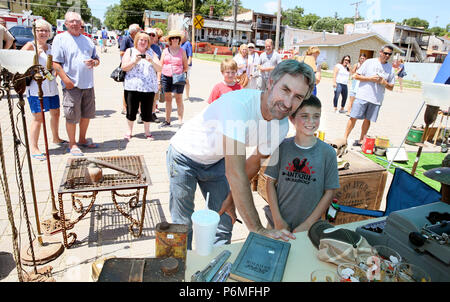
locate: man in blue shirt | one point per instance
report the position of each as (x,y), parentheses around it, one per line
(187,46)
(104,38)
(74,57)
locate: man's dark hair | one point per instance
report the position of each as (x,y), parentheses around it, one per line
(312,101)
(387,46)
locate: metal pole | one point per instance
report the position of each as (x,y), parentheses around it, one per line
(404,139)
(193,16)
(235,22)
(277,35)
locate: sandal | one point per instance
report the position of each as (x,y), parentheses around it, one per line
(89,144)
(127,137)
(40,157)
(150,137)
(75,151)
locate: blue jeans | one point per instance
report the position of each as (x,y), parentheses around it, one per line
(184,175)
(340,89)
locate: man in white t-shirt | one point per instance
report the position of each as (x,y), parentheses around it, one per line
(210,149)
(375,75)
(267,62)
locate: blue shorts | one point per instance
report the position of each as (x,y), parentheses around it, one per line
(50,102)
(363,110)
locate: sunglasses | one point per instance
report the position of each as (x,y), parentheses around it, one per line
(387,53)
(152,35)
(171,38)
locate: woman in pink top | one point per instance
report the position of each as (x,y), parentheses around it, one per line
(174,61)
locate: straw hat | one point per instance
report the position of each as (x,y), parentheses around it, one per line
(175,33)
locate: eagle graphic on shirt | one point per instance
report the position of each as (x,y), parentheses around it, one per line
(299,170)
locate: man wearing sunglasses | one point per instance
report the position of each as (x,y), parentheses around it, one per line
(375,75)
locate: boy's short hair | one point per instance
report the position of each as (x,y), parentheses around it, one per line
(228,64)
(312,101)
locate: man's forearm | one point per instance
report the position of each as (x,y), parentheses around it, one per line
(238,180)
(60,71)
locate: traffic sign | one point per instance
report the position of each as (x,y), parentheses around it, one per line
(198,22)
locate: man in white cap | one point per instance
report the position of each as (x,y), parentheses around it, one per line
(252,68)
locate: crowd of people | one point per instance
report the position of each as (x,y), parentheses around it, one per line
(260,93)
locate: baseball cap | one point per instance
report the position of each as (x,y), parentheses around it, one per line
(150,31)
(251,45)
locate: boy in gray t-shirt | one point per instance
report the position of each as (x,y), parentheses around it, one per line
(302,174)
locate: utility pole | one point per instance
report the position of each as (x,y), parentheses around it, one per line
(277,34)
(356,4)
(235,22)
(193,27)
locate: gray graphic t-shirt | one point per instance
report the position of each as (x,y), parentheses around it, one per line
(302,177)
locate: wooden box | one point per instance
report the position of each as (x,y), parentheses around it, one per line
(361,186)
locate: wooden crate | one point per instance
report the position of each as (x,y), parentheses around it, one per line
(361,186)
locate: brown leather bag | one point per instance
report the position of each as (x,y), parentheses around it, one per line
(242,79)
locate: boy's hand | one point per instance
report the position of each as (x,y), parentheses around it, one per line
(281,225)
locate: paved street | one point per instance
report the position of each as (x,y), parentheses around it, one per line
(103,232)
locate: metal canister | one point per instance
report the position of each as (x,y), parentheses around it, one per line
(171,240)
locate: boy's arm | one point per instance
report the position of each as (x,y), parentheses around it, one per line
(272,200)
(321,207)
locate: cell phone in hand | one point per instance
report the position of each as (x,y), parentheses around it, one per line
(142,55)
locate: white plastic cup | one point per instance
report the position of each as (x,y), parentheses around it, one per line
(204,224)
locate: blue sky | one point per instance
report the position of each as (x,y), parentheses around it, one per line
(377,9)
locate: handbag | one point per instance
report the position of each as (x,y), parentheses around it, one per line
(242,79)
(179,79)
(118,74)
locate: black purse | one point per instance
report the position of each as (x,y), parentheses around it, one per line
(118,74)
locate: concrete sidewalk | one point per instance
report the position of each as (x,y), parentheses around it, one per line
(104,232)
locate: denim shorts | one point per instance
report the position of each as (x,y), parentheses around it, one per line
(363,110)
(184,175)
(50,102)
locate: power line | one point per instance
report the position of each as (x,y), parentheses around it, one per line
(129,12)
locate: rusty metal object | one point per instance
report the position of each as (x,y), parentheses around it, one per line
(169,266)
(113,166)
(74,182)
(171,240)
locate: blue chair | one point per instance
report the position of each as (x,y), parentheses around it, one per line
(405,191)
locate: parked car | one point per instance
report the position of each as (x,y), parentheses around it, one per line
(22,34)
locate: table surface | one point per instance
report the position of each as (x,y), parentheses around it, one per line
(359,164)
(112,179)
(302,259)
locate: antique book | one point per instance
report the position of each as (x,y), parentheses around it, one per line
(261,259)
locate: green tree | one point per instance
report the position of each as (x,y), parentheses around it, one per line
(328,24)
(51,10)
(416,22)
(221,8)
(114,17)
(293,16)
(437,31)
(163,27)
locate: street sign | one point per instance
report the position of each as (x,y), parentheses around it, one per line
(198,22)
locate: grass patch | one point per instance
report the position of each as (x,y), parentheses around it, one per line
(211,57)
(427,161)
